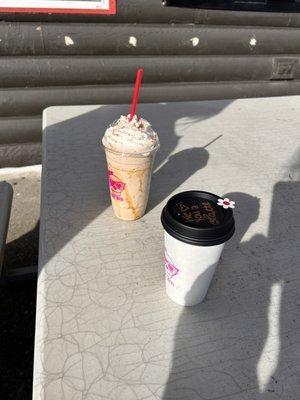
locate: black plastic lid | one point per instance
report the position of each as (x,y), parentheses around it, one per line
(194,217)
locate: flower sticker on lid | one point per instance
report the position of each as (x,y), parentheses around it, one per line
(226,203)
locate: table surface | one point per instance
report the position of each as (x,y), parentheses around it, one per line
(105,328)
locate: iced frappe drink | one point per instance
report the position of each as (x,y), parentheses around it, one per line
(130,148)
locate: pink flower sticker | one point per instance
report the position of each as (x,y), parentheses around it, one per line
(116,186)
(226,203)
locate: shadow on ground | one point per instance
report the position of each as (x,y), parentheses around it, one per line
(17,310)
(23,252)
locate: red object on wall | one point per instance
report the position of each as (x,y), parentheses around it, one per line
(28,10)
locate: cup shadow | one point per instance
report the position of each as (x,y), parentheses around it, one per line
(178,168)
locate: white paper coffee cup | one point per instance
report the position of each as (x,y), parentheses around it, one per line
(196,229)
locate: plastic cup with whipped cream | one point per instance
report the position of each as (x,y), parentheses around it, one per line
(130,148)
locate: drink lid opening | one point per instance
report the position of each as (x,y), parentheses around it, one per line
(198,218)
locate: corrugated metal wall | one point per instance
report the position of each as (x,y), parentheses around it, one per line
(187,54)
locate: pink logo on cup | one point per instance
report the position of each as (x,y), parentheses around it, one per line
(171,269)
(116,186)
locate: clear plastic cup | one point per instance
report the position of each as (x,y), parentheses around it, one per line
(129,178)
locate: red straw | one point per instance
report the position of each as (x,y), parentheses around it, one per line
(136,92)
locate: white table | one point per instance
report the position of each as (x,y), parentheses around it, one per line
(105,328)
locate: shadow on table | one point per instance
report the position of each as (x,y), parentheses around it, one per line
(241,342)
(79,159)
(23,251)
(176,171)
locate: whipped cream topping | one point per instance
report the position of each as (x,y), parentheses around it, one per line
(135,136)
